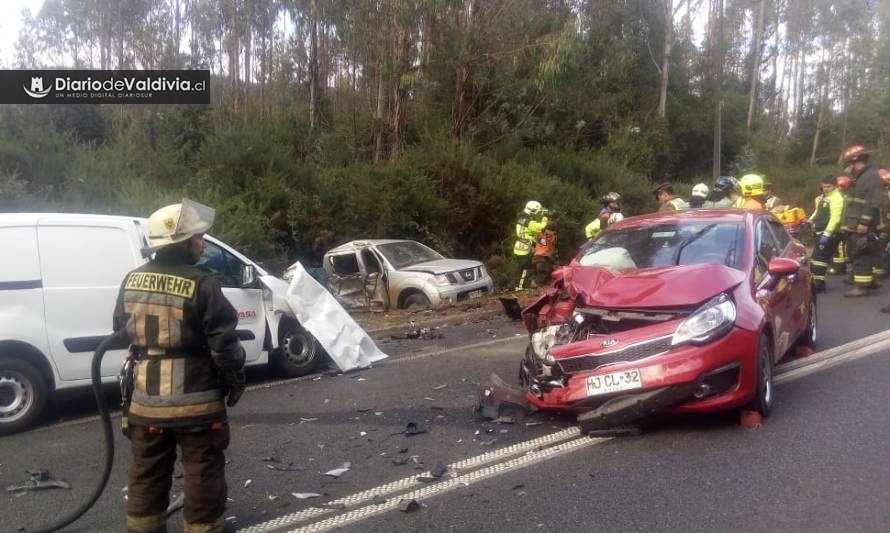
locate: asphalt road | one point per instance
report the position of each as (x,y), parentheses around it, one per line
(818,464)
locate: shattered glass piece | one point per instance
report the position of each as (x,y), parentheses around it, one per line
(40,480)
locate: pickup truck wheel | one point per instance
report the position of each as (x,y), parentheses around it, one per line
(23,395)
(299,353)
(418,300)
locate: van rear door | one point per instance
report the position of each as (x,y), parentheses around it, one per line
(83,265)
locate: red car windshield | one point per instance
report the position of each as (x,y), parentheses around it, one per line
(662,245)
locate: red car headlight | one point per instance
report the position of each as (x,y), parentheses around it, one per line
(709,322)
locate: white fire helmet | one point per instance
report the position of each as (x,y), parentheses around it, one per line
(178,222)
(533,207)
(700,191)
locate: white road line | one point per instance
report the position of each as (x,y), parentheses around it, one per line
(451,484)
(784,373)
(409,482)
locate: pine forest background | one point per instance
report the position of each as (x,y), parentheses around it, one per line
(438,119)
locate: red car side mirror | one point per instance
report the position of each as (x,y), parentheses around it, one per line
(782,266)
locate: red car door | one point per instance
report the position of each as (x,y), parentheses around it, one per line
(800,283)
(775,296)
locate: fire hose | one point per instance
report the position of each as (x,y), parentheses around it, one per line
(108,438)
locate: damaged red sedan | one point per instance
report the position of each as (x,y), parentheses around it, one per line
(681,311)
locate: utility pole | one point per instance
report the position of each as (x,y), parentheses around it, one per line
(718,86)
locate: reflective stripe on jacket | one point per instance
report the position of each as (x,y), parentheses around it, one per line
(183,328)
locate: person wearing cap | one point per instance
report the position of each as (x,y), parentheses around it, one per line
(826,222)
(862,218)
(189,367)
(699,196)
(664,193)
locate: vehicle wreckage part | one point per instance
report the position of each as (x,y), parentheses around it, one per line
(495,398)
(375,494)
(629,408)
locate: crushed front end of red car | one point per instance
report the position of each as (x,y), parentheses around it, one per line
(618,346)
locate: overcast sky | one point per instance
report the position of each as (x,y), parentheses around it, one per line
(10,24)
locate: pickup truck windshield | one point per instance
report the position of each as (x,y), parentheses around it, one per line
(662,245)
(407,253)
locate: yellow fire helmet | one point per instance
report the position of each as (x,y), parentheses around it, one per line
(178,222)
(752,185)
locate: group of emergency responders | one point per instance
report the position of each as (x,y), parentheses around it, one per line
(850,221)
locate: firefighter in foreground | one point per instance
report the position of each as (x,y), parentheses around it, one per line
(826,223)
(189,368)
(609,214)
(528,225)
(862,218)
(546,255)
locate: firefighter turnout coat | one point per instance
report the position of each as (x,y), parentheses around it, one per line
(183,329)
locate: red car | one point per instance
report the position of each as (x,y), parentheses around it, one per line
(683,311)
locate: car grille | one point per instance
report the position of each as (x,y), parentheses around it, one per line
(589,363)
(468,274)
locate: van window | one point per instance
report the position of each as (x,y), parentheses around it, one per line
(84,256)
(20,261)
(345,264)
(224,266)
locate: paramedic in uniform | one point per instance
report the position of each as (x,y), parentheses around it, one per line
(190,366)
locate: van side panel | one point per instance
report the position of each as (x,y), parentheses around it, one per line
(83,267)
(21,315)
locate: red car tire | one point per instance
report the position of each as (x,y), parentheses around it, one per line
(763,392)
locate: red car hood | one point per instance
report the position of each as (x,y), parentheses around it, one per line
(677,286)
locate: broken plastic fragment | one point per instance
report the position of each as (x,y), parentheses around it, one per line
(40,480)
(414,428)
(337,472)
(305,495)
(504,420)
(438,470)
(406,506)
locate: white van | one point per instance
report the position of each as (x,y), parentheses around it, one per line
(59,278)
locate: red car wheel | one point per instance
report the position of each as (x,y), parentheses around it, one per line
(763,394)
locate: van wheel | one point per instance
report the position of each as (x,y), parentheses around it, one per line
(23,395)
(299,353)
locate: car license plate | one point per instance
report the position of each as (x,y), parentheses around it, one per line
(614,382)
(475,294)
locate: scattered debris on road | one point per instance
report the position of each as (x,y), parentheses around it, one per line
(496,397)
(40,480)
(305,495)
(414,428)
(290,467)
(440,387)
(439,470)
(425,334)
(248,483)
(511,308)
(407,506)
(750,419)
(337,472)
(504,420)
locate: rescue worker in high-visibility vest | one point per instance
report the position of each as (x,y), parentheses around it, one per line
(771,201)
(189,367)
(862,218)
(664,193)
(610,213)
(826,223)
(839,261)
(546,252)
(699,196)
(529,223)
(752,191)
(726,193)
